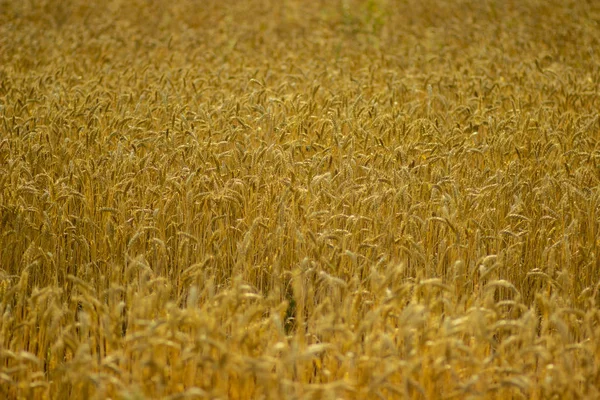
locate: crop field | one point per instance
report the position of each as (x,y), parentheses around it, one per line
(291,199)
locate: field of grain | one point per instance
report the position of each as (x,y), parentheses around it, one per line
(262,199)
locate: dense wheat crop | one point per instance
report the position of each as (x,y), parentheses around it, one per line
(299,199)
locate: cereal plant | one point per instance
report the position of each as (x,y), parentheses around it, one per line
(350,199)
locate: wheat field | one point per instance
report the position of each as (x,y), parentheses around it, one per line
(261,199)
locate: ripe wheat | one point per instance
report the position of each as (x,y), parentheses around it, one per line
(283,200)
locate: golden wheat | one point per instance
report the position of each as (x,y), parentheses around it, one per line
(283,200)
